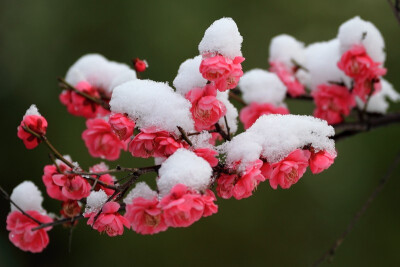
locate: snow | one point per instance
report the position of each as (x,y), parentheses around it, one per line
(32,110)
(95,201)
(321,62)
(189,76)
(285,48)
(201,140)
(141,190)
(152,104)
(184,167)
(222,37)
(273,137)
(28,197)
(261,86)
(361,32)
(379,101)
(99,72)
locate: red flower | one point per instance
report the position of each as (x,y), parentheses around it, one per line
(145,216)
(249,114)
(81,106)
(21,234)
(101,141)
(121,125)
(332,102)
(35,123)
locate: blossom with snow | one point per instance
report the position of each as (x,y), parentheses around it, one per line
(34,122)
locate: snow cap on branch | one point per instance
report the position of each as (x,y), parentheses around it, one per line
(222,37)
(357,31)
(28,197)
(378,102)
(184,167)
(321,62)
(189,76)
(99,72)
(261,86)
(95,201)
(273,137)
(141,190)
(286,49)
(152,104)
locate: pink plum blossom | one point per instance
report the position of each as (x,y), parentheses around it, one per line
(182,207)
(35,123)
(332,102)
(208,199)
(240,185)
(109,220)
(286,75)
(52,189)
(105,178)
(73,186)
(21,234)
(289,170)
(249,114)
(223,71)
(153,143)
(101,140)
(81,106)
(206,108)
(208,154)
(145,216)
(320,161)
(122,125)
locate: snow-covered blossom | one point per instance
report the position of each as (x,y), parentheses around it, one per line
(36,123)
(121,125)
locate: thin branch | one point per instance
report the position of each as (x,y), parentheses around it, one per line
(332,250)
(227,127)
(352,128)
(184,136)
(49,145)
(57,222)
(395,8)
(6,196)
(222,133)
(237,98)
(98,101)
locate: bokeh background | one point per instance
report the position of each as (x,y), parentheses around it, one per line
(39,40)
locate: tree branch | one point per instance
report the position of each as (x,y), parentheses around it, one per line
(352,128)
(395,8)
(64,84)
(332,250)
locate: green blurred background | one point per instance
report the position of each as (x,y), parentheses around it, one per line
(39,40)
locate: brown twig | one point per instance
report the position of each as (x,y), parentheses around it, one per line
(49,145)
(352,128)
(64,84)
(6,196)
(395,8)
(57,222)
(237,98)
(222,133)
(332,250)
(184,136)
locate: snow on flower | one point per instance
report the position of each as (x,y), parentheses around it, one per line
(36,123)
(152,105)
(184,167)
(109,221)
(143,210)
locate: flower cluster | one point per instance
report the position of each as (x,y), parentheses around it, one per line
(189,130)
